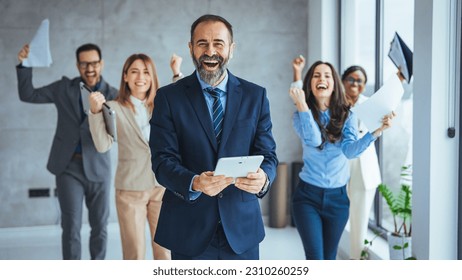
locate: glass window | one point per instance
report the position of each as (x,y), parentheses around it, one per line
(358,43)
(358,38)
(396,150)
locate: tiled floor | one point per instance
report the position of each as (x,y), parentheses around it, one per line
(43,243)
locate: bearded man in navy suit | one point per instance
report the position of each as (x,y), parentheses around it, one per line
(205,216)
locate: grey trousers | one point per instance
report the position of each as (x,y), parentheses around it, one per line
(74,188)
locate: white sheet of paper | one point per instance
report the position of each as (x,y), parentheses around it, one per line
(385,100)
(39,54)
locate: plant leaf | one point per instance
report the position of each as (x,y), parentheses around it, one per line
(389,198)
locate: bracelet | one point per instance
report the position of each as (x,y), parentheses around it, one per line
(178,75)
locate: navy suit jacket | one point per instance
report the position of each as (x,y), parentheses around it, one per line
(183,145)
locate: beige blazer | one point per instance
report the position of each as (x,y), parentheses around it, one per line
(134,170)
(369,168)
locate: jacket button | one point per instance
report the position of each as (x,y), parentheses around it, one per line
(220,195)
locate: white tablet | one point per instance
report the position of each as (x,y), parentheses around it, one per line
(238,166)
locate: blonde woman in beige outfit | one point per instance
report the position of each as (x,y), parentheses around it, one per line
(138,195)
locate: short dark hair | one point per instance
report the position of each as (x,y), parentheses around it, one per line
(213,18)
(352,69)
(88,47)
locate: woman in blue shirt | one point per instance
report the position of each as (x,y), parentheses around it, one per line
(329,134)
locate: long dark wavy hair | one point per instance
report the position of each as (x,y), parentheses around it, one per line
(338,106)
(124,91)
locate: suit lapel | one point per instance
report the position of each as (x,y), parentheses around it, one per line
(234,97)
(74,99)
(196,97)
(130,119)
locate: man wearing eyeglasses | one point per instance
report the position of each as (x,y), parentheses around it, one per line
(82,174)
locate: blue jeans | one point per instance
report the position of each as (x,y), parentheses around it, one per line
(320,216)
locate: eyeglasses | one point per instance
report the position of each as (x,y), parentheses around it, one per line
(352,80)
(84,65)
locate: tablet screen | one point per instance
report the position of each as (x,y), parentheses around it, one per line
(238,166)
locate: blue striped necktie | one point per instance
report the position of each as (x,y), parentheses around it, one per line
(217,114)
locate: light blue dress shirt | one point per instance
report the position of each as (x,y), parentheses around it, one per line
(328,168)
(209,99)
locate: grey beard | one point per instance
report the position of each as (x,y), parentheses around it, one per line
(210,78)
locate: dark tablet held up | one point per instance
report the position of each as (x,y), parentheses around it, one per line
(108,113)
(110,121)
(84,93)
(401,56)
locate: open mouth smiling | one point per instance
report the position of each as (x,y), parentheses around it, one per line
(321,86)
(210,64)
(90,74)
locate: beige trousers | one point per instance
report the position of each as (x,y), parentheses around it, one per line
(361,200)
(133,209)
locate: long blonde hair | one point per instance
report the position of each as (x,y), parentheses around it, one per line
(124,91)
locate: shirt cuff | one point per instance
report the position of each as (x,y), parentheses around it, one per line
(193,195)
(265,187)
(177,77)
(297,84)
(370,137)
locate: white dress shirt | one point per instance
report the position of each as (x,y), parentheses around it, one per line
(141,116)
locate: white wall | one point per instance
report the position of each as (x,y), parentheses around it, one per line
(435,185)
(323,32)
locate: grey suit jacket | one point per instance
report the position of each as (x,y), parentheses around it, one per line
(134,172)
(65,94)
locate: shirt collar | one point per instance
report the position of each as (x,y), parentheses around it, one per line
(136,101)
(98,84)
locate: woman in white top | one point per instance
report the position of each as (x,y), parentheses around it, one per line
(138,195)
(364,170)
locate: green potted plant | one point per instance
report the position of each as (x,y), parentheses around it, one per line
(365,255)
(400,206)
